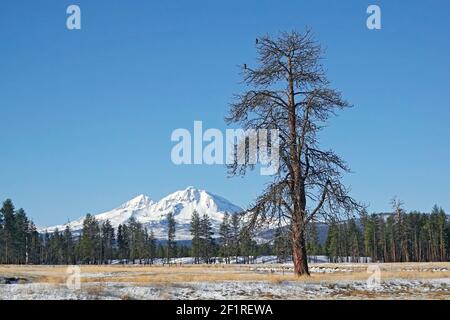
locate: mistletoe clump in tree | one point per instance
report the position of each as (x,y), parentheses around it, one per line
(289,91)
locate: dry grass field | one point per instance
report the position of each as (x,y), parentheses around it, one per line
(261,281)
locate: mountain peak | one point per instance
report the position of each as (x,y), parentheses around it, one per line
(137,202)
(189,194)
(153,215)
(192,189)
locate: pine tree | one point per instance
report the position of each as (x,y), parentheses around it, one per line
(354,240)
(123,243)
(390,240)
(247,245)
(196,236)
(90,242)
(161,251)
(281,244)
(312,240)
(289,90)
(332,242)
(20,236)
(55,248)
(68,247)
(107,238)
(440,227)
(225,237)
(183,251)
(34,245)
(235,236)
(370,239)
(151,243)
(45,252)
(171,245)
(136,240)
(206,235)
(9,250)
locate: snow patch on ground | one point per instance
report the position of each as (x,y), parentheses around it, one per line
(389,289)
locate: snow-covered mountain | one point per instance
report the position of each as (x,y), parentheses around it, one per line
(153,215)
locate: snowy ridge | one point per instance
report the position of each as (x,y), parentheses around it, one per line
(153,215)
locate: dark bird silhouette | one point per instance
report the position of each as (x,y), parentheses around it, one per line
(245,66)
(256,41)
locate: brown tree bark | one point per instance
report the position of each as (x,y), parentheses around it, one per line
(299,254)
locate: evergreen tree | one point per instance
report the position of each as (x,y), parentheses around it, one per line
(247,245)
(206,236)
(441,236)
(107,238)
(171,245)
(136,240)
(225,238)
(161,251)
(68,247)
(332,247)
(151,243)
(123,243)
(196,236)
(90,242)
(183,251)
(354,241)
(312,241)
(370,239)
(281,244)
(9,251)
(20,237)
(34,245)
(235,236)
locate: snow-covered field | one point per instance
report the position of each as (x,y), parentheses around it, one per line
(391,289)
(274,281)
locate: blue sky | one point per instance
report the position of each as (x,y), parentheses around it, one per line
(86,116)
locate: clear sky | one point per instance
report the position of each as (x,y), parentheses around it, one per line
(86,115)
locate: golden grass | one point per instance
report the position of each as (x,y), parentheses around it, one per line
(141,275)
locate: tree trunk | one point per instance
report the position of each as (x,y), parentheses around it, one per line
(299,255)
(297,190)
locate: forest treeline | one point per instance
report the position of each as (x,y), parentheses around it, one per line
(398,237)
(99,243)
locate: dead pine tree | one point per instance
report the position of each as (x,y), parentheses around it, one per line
(288,91)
